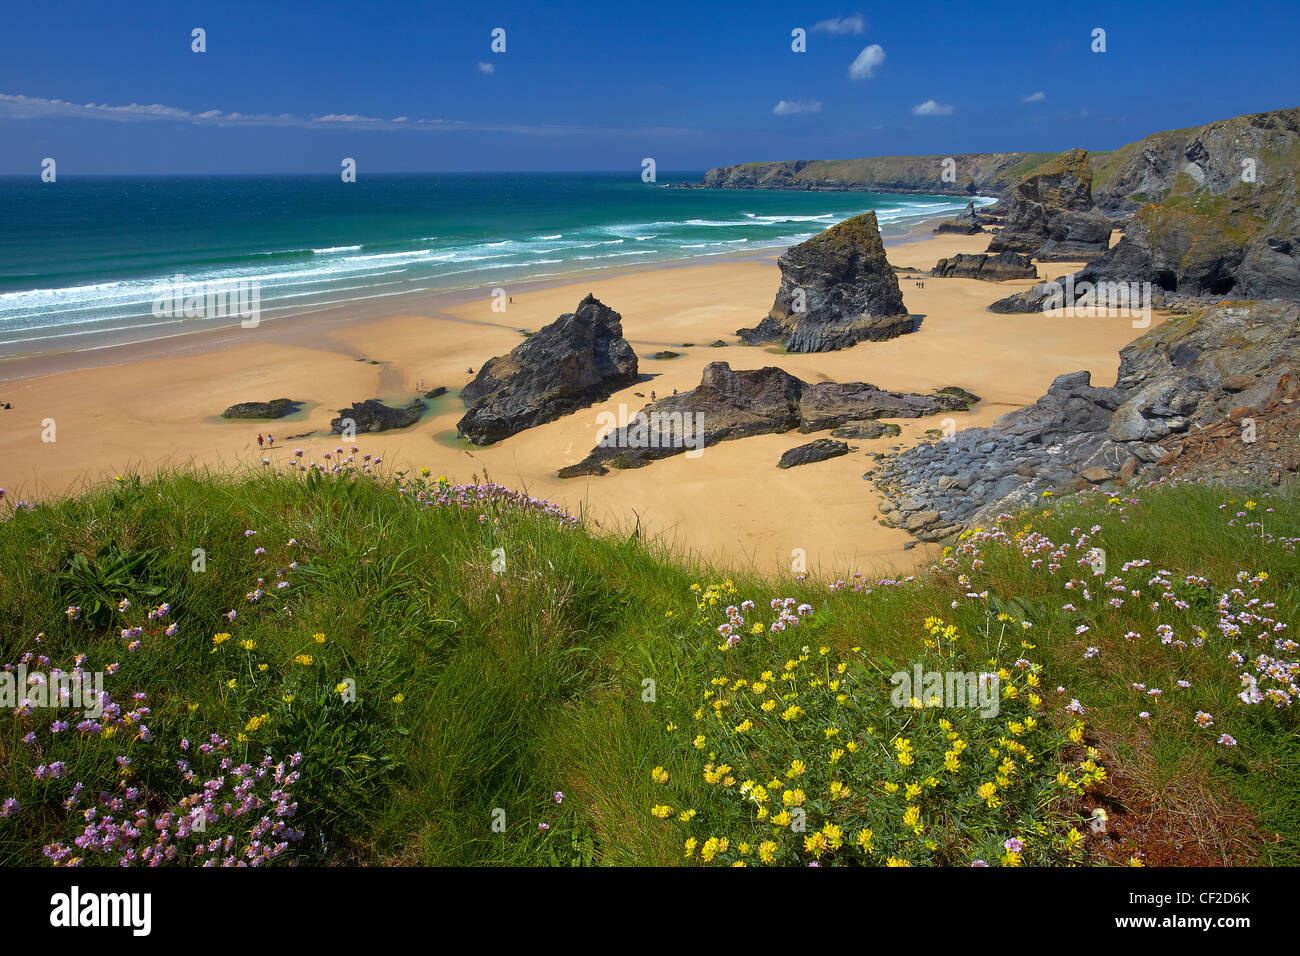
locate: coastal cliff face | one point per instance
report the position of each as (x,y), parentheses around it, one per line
(1051,213)
(837,289)
(1182,395)
(579,359)
(985,174)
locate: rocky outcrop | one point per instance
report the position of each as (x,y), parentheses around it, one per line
(1215,212)
(819,450)
(1189,374)
(866,430)
(967,224)
(579,359)
(982,174)
(1051,216)
(730,404)
(372,415)
(1004,265)
(275,408)
(837,289)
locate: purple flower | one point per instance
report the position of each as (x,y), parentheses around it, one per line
(559,796)
(1014,846)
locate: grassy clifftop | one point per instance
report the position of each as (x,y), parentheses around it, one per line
(336,667)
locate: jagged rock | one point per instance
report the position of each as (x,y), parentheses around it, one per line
(819,450)
(837,289)
(865,430)
(729,404)
(1051,214)
(1177,390)
(666,355)
(275,408)
(579,359)
(968,223)
(372,415)
(436,392)
(995,268)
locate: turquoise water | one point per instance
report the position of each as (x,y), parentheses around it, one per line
(85,261)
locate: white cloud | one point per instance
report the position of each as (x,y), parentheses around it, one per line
(486,67)
(867,62)
(837,25)
(1034,97)
(790,107)
(15,106)
(931,108)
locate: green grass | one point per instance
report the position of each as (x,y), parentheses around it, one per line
(478,693)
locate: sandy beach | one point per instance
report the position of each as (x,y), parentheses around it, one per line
(156,405)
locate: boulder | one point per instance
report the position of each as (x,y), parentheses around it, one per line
(579,359)
(275,408)
(372,415)
(865,430)
(819,450)
(994,268)
(837,289)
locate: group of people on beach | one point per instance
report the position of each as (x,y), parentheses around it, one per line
(270,440)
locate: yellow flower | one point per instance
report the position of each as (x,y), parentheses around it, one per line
(700,741)
(220,639)
(659,775)
(767,851)
(768,705)
(661,811)
(686,816)
(254,723)
(690,846)
(248,645)
(793,798)
(744,725)
(863,840)
(815,843)
(306,660)
(797,767)
(709,850)
(781,819)
(398,698)
(341,688)
(793,712)
(896,861)
(287,698)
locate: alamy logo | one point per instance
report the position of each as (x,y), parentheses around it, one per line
(1089,300)
(922,688)
(237,298)
(73,909)
(653,430)
(29,691)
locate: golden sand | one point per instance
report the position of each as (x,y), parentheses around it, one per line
(731,504)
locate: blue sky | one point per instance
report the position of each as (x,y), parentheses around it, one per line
(294,87)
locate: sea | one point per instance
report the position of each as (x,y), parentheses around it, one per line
(96,261)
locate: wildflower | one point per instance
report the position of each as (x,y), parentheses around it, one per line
(1203,719)
(661,811)
(306,660)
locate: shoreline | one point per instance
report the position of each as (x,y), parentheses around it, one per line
(144,408)
(23,365)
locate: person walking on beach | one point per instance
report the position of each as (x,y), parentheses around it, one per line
(652,395)
(259,441)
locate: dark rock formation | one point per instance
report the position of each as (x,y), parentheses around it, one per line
(968,223)
(836,290)
(275,408)
(1004,265)
(578,359)
(1051,213)
(866,430)
(819,450)
(436,392)
(372,415)
(731,404)
(1184,377)
(666,354)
